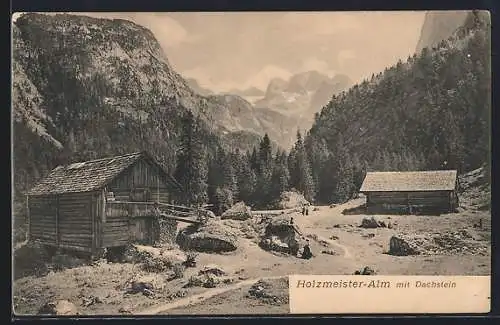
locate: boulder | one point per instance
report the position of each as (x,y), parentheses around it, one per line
(208,214)
(291,200)
(367,271)
(369,223)
(154,259)
(32,258)
(146,284)
(239,211)
(274,292)
(59,307)
(212,269)
(212,237)
(273,243)
(372,223)
(206,280)
(402,246)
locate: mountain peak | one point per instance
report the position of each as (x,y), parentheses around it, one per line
(438,26)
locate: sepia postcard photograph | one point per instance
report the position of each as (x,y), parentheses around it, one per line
(230,163)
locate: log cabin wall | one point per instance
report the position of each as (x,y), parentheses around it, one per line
(75,217)
(42,219)
(142,182)
(441,200)
(141,176)
(64,220)
(116,225)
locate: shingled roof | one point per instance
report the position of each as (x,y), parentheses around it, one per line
(89,175)
(440,180)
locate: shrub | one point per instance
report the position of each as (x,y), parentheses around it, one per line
(178,271)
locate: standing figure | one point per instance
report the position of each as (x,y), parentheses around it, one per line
(306,253)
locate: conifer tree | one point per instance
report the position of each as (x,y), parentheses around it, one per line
(192,169)
(300,174)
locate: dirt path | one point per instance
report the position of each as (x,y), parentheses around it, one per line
(311,223)
(347,253)
(200,297)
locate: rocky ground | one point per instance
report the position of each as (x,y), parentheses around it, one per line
(251,280)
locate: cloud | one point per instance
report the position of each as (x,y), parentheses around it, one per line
(313,63)
(167,30)
(344,56)
(262,78)
(319,24)
(206,78)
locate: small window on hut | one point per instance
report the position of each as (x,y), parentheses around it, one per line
(140,195)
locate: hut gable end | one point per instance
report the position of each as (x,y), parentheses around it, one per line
(91,175)
(442,180)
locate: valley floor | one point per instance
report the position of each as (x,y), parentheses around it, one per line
(354,248)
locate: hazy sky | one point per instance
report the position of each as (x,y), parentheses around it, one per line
(238,50)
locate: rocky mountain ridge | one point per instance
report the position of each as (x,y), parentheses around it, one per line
(438,26)
(85,88)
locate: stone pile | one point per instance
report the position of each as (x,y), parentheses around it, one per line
(212,237)
(59,308)
(209,276)
(239,211)
(168,231)
(460,242)
(365,271)
(402,245)
(273,292)
(291,200)
(372,223)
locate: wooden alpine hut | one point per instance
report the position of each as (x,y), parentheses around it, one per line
(91,205)
(411,192)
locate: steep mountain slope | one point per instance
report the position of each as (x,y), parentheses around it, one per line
(247,118)
(438,26)
(431,112)
(86,87)
(195,86)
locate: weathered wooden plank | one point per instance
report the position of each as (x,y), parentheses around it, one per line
(107,240)
(122,223)
(37,200)
(95,228)
(74,230)
(45,241)
(43,227)
(50,236)
(110,239)
(43,206)
(103,206)
(44,222)
(49,239)
(116,228)
(115,243)
(74,223)
(77,242)
(40,229)
(76,237)
(112,228)
(117,219)
(76,247)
